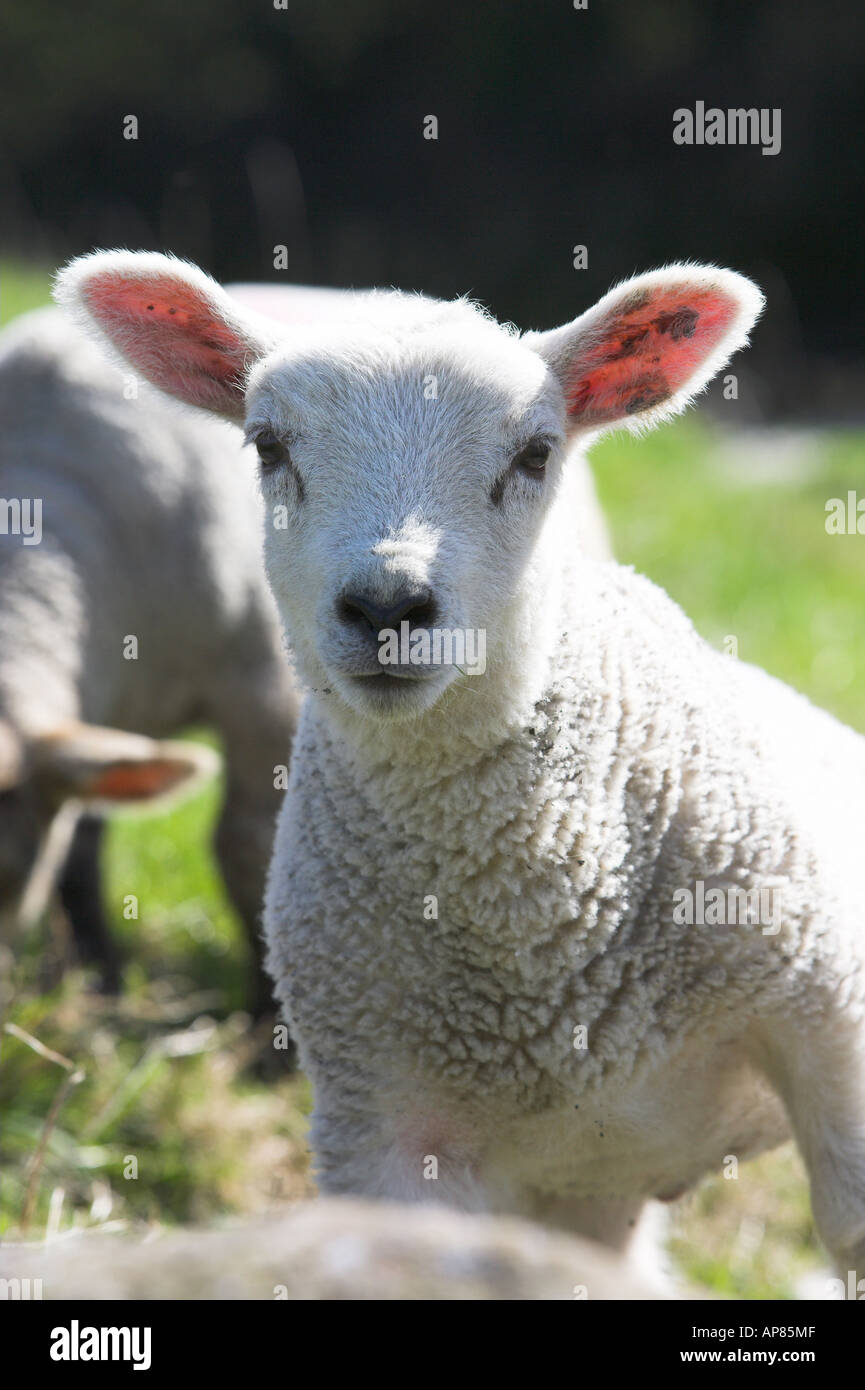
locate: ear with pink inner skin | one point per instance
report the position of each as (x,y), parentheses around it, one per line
(94,764)
(645,349)
(170,322)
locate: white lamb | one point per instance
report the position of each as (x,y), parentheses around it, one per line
(476,875)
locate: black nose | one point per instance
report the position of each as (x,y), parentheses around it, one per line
(363,611)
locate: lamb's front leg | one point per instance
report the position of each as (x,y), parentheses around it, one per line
(401,1155)
(819,1069)
(80,890)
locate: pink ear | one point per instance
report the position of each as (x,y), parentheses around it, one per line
(136,781)
(170,321)
(649,346)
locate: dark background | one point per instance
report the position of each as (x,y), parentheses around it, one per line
(304,127)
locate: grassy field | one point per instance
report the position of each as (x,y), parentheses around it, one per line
(157,1113)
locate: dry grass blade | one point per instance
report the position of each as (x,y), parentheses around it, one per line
(74,1076)
(48,1053)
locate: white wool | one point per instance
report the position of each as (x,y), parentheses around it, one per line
(470,871)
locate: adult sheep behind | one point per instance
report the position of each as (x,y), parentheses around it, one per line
(137,607)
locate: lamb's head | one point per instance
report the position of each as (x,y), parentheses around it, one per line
(411,457)
(406,472)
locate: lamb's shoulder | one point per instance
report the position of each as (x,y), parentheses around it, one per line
(770,798)
(816,763)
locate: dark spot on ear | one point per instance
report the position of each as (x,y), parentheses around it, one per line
(580,397)
(628,343)
(150,306)
(497,491)
(645,392)
(681,323)
(636,300)
(172,311)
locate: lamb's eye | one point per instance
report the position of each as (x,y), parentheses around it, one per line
(533,458)
(271,450)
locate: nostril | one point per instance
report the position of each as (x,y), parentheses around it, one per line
(361,610)
(352,609)
(418,608)
(423,610)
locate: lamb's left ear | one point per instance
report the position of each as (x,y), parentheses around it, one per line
(645,349)
(170,322)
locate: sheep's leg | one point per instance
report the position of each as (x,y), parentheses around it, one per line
(243,842)
(424,1156)
(80,889)
(256,722)
(820,1073)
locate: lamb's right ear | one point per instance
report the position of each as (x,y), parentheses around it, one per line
(170,322)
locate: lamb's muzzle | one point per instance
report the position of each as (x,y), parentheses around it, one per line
(363,611)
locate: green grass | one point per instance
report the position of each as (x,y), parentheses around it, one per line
(751,560)
(167,1077)
(22,287)
(179,896)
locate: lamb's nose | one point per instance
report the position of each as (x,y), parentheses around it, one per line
(416,606)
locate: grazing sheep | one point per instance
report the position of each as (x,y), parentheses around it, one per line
(336,1249)
(150,531)
(475,909)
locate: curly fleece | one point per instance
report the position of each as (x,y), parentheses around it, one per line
(473,906)
(555,848)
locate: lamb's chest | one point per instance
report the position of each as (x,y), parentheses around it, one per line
(702,1110)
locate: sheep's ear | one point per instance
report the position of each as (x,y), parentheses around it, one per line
(645,349)
(93,764)
(169,321)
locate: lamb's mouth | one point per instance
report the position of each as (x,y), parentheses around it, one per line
(391,692)
(395,683)
(389,680)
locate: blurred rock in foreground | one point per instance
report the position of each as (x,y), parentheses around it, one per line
(331,1249)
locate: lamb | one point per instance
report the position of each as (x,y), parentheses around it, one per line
(150,531)
(474,906)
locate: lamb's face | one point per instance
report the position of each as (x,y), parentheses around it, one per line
(405,482)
